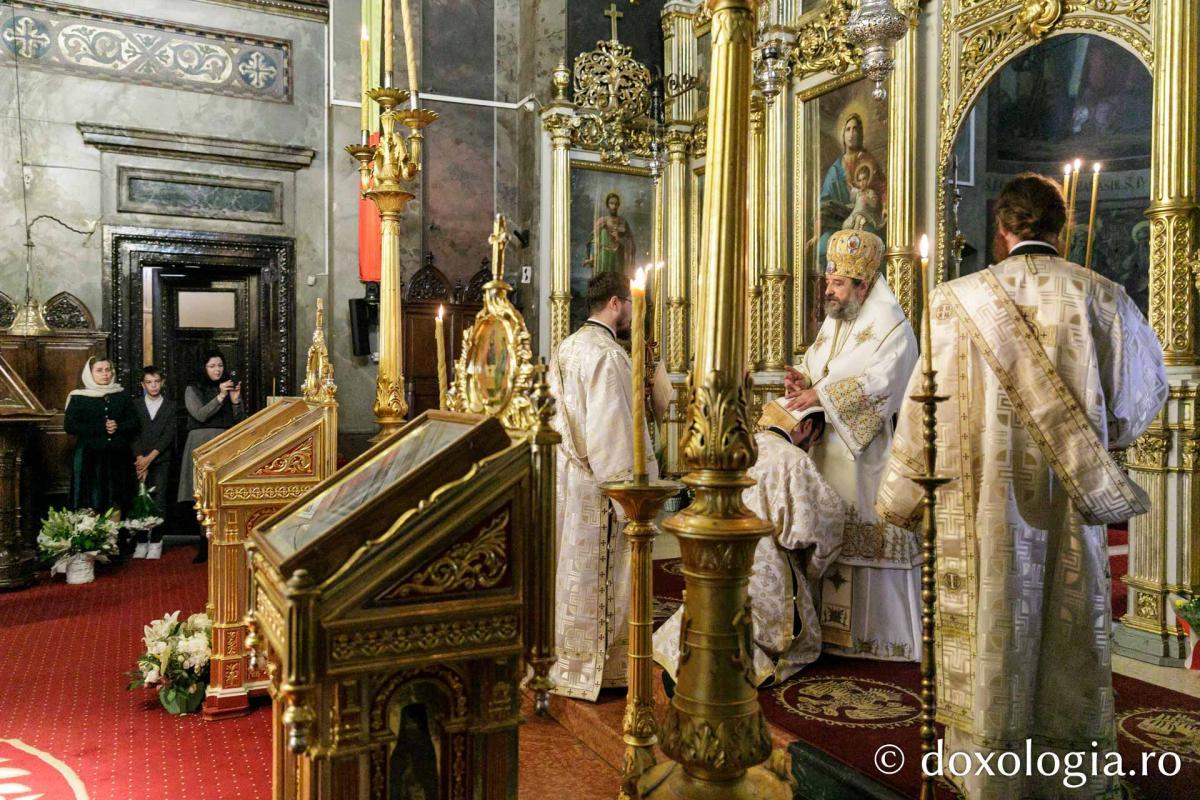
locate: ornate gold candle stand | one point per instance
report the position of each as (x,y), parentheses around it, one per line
(385,170)
(641,501)
(930,482)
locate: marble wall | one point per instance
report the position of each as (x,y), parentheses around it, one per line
(480,160)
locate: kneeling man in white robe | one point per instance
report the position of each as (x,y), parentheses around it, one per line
(809,517)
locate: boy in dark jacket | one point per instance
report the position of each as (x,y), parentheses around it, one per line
(152,450)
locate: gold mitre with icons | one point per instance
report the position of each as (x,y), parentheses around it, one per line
(775,415)
(854,254)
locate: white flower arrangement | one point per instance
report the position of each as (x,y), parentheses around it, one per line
(67,534)
(176,661)
(142,516)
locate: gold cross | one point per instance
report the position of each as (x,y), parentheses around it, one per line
(613,15)
(498,240)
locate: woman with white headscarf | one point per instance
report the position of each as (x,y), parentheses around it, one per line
(101,417)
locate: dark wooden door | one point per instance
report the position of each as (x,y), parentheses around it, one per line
(202,311)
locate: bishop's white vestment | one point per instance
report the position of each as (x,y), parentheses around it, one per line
(590,378)
(871,599)
(1047,365)
(808,516)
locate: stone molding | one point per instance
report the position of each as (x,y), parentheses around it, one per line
(194,147)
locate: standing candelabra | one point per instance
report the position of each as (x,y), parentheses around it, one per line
(386,171)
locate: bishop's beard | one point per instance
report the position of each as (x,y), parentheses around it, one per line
(845,312)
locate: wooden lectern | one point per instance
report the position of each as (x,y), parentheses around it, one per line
(20,414)
(398,605)
(242,477)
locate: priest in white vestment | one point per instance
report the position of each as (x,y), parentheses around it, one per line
(856,371)
(1047,365)
(590,378)
(808,516)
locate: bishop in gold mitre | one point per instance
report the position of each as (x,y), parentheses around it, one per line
(856,371)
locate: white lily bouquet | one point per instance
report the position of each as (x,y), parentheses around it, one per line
(72,541)
(143,514)
(176,661)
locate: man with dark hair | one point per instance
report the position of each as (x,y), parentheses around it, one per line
(591,379)
(1047,366)
(809,518)
(152,450)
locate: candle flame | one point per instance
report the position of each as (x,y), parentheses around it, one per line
(639,280)
(924,246)
(439,312)
(1066,169)
(366,34)
(1078,164)
(1096,167)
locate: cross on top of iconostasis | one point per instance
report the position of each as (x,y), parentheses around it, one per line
(613,15)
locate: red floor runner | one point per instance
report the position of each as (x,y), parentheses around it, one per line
(849,708)
(1118,567)
(64,652)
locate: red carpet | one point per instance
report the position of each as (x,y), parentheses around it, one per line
(1118,540)
(849,708)
(64,654)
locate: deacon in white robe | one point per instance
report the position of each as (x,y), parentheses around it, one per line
(1047,365)
(808,516)
(856,371)
(590,378)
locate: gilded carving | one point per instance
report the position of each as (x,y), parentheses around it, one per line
(423,638)
(612,90)
(478,564)
(296,461)
(1036,17)
(821,43)
(389,398)
(718,432)
(495,372)
(446,678)
(1149,451)
(774,303)
(266,615)
(1147,605)
(264,491)
(318,384)
(718,557)
(734,743)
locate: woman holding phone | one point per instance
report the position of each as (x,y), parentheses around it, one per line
(214,404)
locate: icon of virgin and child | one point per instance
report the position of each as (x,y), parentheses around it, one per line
(854,189)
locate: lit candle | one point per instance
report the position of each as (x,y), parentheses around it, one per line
(440,335)
(364,50)
(926,332)
(1071,207)
(389,44)
(1066,180)
(410,52)
(637,290)
(1087,259)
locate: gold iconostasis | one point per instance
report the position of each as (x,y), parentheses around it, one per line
(981,90)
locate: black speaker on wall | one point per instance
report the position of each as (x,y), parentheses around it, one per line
(360,326)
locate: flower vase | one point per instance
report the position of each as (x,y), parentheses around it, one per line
(1192,660)
(81,568)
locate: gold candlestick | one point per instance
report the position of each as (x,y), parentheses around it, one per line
(637,289)
(1091,236)
(384,170)
(641,501)
(714,729)
(440,336)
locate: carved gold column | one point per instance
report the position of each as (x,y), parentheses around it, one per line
(1164,544)
(902,171)
(676,247)
(558,123)
(758,221)
(776,262)
(1173,178)
(714,729)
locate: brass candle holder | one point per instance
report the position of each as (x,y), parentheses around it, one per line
(386,171)
(641,501)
